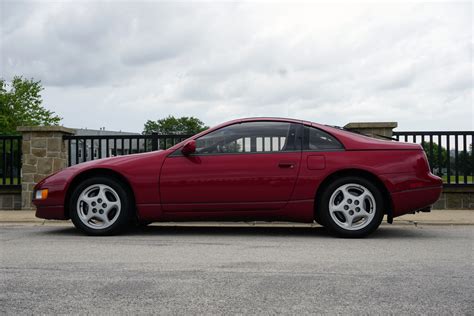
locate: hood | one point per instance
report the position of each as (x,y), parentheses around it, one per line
(117,160)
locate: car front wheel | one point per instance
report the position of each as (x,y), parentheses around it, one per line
(100,206)
(351,207)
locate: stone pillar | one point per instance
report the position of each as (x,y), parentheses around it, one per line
(43,152)
(380,130)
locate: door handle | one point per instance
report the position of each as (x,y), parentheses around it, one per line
(286,165)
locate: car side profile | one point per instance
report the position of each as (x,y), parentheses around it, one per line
(270,169)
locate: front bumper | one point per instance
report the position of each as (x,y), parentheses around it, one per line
(50,212)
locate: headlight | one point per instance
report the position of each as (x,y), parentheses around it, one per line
(41,194)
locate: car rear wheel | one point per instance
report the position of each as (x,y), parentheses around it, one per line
(100,206)
(351,207)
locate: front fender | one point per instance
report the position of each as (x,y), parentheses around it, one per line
(141,171)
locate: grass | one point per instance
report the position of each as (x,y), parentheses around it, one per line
(8,181)
(461,179)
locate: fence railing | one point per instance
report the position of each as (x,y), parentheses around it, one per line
(10,161)
(450,154)
(85,148)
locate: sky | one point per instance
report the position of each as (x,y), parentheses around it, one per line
(118,64)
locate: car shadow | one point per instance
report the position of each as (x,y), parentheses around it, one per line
(230,231)
(202,231)
(383,232)
(403,232)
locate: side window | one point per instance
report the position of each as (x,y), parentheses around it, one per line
(316,139)
(250,137)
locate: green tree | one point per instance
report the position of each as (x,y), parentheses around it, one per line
(21,105)
(175,126)
(435,161)
(465,163)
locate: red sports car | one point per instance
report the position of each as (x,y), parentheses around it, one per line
(268,169)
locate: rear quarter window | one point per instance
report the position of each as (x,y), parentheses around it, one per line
(316,139)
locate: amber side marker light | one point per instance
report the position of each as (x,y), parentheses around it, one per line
(41,194)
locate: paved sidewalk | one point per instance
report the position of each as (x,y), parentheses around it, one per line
(435,217)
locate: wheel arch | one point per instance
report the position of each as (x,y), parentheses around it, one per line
(92,173)
(358,173)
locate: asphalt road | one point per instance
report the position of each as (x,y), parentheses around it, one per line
(199,270)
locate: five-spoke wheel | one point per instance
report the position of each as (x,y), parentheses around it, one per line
(351,207)
(100,206)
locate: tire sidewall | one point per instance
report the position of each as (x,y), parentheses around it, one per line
(328,222)
(123,219)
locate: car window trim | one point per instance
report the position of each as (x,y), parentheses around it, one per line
(299,132)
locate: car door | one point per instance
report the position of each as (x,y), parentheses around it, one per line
(244,166)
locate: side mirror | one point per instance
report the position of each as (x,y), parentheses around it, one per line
(189,148)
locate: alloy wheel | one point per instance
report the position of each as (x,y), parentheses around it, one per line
(352,206)
(98,206)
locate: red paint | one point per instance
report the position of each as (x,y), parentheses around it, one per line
(230,182)
(316,162)
(257,186)
(189,148)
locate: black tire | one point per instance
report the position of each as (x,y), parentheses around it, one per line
(317,219)
(121,221)
(323,208)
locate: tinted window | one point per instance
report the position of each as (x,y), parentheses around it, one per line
(316,139)
(251,137)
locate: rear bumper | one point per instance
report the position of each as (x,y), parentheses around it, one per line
(50,212)
(409,201)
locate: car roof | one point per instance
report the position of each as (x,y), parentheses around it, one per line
(282,119)
(268,118)
(351,141)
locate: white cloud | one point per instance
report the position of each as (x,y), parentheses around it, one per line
(119,64)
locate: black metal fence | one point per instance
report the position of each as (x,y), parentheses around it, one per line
(450,154)
(85,148)
(10,161)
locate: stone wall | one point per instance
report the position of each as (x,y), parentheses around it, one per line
(43,152)
(461,198)
(10,199)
